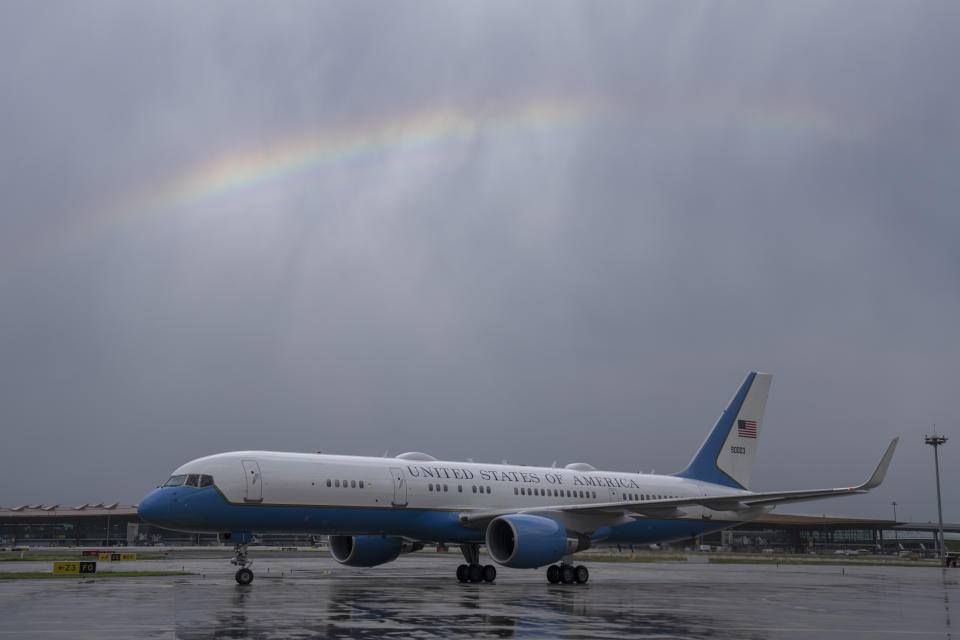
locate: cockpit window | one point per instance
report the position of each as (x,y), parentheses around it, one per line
(206,481)
(175,481)
(192,480)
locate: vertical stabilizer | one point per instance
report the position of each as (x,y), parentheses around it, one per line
(726,456)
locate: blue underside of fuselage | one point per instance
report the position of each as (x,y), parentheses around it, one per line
(206,511)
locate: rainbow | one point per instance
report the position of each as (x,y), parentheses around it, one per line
(319,151)
(314,152)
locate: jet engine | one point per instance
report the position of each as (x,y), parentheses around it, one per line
(525,541)
(369,551)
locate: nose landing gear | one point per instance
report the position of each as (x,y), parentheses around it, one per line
(244,575)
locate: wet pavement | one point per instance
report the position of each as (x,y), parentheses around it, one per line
(310,596)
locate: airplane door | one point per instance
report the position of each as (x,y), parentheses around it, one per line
(254,482)
(399,487)
(614,497)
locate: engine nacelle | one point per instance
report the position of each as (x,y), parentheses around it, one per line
(369,551)
(525,541)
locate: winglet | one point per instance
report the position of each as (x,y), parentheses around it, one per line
(881,470)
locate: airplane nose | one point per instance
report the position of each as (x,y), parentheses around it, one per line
(154,507)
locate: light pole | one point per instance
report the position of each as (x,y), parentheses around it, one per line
(935,441)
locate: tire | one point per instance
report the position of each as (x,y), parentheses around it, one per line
(553,574)
(463,573)
(489,573)
(476,573)
(567,574)
(581,574)
(244,576)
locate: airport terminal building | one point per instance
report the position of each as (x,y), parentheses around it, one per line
(99,525)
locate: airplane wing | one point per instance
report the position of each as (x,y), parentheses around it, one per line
(615,512)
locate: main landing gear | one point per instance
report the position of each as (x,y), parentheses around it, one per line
(566,573)
(473,571)
(244,575)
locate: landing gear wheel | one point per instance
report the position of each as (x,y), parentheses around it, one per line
(553,574)
(489,573)
(244,576)
(463,573)
(476,573)
(567,574)
(581,575)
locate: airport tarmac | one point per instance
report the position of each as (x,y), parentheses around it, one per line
(311,596)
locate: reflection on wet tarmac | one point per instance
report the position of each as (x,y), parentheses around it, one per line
(345,608)
(675,601)
(418,596)
(949,583)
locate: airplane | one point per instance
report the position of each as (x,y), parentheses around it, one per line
(375,509)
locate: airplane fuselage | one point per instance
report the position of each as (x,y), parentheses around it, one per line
(269,492)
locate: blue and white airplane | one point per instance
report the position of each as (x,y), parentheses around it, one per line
(375,509)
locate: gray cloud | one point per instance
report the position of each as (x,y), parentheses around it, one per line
(748,187)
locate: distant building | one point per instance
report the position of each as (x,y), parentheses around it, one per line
(99,525)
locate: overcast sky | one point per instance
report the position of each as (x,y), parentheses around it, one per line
(527,231)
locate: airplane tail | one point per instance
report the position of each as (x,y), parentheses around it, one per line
(726,456)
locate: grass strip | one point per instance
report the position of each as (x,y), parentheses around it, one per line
(828,561)
(602,557)
(756,559)
(69,557)
(31,575)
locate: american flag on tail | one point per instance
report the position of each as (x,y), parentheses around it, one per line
(747,428)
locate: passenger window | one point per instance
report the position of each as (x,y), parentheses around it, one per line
(474,488)
(361,484)
(516,492)
(460,488)
(329,482)
(353,484)
(488,489)
(336,483)
(444,488)
(430,487)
